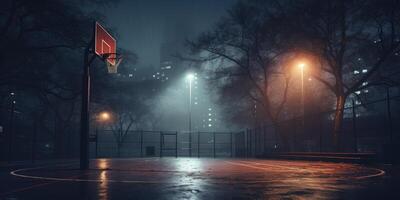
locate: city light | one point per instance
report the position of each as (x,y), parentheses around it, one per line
(302,66)
(104,116)
(190,76)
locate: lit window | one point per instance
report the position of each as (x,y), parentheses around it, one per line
(356,72)
(210,120)
(364,70)
(366,91)
(195,103)
(365,83)
(209,125)
(358,92)
(209,114)
(130,75)
(359,59)
(154,76)
(209,109)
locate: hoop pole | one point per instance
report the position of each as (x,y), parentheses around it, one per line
(84,129)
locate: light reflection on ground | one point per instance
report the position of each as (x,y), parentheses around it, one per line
(193,178)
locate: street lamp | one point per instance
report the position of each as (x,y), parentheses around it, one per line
(104,116)
(190,78)
(301,67)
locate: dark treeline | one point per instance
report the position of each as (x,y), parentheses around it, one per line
(344,46)
(41,55)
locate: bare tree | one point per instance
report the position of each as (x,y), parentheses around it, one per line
(344,36)
(245,50)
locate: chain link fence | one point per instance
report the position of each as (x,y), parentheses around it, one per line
(367,127)
(108,143)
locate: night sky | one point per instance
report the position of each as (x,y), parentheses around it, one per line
(143,25)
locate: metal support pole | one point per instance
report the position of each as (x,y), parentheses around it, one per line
(294,134)
(251,142)
(97,141)
(389,115)
(198,144)
(214,145)
(320,132)
(176,144)
(354,125)
(161,143)
(265,140)
(247,142)
(84,129)
(141,143)
(190,144)
(11,129)
(33,153)
(231,138)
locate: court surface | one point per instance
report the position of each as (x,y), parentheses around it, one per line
(196,178)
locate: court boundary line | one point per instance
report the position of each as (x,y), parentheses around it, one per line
(18,173)
(380,172)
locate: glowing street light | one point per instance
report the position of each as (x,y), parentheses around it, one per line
(104,116)
(302,66)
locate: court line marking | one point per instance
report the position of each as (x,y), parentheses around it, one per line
(380,172)
(18,173)
(35,185)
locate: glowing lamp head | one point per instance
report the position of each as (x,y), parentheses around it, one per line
(104,116)
(190,77)
(302,66)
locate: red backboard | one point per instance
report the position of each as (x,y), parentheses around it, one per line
(104,43)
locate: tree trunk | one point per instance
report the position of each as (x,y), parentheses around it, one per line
(338,120)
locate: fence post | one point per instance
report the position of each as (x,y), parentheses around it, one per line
(198,144)
(190,143)
(246,142)
(161,143)
(231,144)
(294,134)
(214,144)
(176,144)
(389,115)
(141,143)
(11,130)
(251,142)
(320,131)
(33,155)
(264,139)
(354,125)
(97,141)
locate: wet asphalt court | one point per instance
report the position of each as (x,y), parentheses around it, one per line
(197,178)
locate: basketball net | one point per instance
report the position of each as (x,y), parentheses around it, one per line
(112,69)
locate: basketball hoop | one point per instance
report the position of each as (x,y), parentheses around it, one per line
(112,67)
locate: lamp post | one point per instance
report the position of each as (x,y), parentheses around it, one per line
(301,67)
(190,78)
